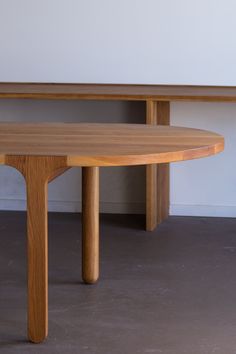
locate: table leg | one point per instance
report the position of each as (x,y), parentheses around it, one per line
(90,224)
(157,176)
(37,230)
(37,171)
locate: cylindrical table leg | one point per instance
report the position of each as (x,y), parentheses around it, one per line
(90,224)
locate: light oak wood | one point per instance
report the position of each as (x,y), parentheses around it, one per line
(118,92)
(37,171)
(107,144)
(90,224)
(43,151)
(157,176)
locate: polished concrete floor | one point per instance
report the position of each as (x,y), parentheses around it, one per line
(172,291)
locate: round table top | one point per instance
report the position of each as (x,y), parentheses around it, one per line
(100,144)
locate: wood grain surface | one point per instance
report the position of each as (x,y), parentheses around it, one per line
(118,92)
(97,144)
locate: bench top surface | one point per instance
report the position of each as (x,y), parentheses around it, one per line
(118,92)
(97,144)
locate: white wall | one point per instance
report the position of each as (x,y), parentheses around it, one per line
(206,186)
(127,41)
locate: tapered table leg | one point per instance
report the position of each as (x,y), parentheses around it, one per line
(90,224)
(37,231)
(37,171)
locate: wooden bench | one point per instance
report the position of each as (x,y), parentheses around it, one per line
(157,99)
(43,151)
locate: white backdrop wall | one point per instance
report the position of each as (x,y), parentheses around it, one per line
(126,41)
(207,186)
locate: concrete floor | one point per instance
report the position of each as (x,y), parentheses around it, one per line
(172,291)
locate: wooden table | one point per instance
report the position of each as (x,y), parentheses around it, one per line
(43,151)
(157,99)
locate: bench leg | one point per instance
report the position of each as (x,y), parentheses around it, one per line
(157,176)
(90,224)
